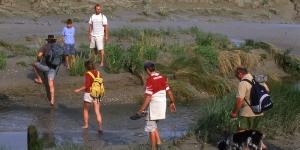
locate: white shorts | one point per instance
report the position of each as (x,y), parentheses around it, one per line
(87,98)
(97,42)
(151,125)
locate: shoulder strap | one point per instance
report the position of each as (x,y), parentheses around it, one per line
(91,74)
(252,85)
(248,81)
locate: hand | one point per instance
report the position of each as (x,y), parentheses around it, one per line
(233,115)
(77,90)
(172,107)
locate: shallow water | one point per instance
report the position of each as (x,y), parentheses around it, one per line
(63,125)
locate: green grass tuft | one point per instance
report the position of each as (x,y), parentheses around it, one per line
(282,119)
(3,58)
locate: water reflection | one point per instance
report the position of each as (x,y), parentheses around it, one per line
(63,125)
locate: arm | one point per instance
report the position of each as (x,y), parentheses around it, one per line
(147,99)
(90,31)
(237,107)
(172,101)
(79,89)
(106,32)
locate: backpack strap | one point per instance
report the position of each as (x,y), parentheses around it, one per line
(251,85)
(91,74)
(98,74)
(248,81)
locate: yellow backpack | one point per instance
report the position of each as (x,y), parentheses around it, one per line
(97,88)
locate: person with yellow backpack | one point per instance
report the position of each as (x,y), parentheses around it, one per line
(93,93)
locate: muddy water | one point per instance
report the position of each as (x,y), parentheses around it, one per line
(63,125)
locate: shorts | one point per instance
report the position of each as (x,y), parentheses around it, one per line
(249,122)
(87,98)
(151,125)
(51,73)
(97,42)
(69,49)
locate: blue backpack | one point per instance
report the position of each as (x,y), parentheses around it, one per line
(260,100)
(54,55)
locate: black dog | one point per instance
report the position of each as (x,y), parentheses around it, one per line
(251,139)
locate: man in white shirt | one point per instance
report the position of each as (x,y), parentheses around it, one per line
(98,32)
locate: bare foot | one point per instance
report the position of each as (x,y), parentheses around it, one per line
(101,65)
(100,128)
(38,81)
(52,102)
(85,127)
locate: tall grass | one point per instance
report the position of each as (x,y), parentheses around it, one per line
(2,60)
(282,119)
(78,67)
(17,49)
(114,60)
(216,120)
(289,63)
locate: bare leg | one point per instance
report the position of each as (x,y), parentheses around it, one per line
(157,137)
(85,110)
(98,114)
(102,57)
(38,78)
(153,141)
(67,62)
(71,60)
(52,89)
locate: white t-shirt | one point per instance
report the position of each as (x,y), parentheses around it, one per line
(98,22)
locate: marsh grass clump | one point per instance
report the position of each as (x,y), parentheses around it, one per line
(229,60)
(147,7)
(181,92)
(251,44)
(189,70)
(3,58)
(289,63)
(282,119)
(17,49)
(78,67)
(217,121)
(125,32)
(33,142)
(210,56)
(215,40)
(114,58)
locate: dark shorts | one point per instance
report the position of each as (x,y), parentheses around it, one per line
(69,49)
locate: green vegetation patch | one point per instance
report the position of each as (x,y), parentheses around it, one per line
(282,119)
(17,49)
(114,60)
(2,60)
(289,63)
